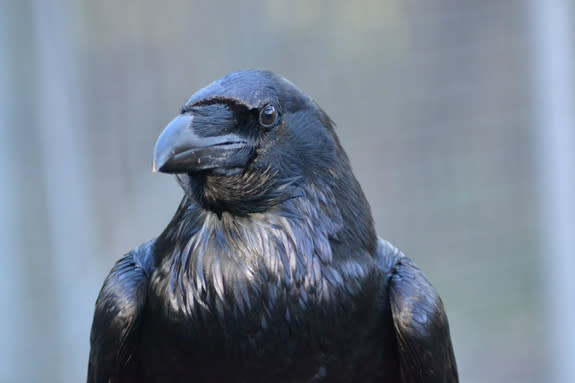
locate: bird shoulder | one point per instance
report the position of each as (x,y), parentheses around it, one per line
(118,310)
(419,319)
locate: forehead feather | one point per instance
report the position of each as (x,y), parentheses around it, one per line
(253,89)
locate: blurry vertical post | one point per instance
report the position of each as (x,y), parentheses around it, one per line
(66,179)
(12,292)
(554,79)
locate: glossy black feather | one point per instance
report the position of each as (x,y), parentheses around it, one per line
(272,272)
(117,318)
(424,343)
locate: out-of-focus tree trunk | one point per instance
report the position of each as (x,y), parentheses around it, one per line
(29,313)
(57,101)
(555,143)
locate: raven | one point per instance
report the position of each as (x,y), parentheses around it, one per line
(270,269)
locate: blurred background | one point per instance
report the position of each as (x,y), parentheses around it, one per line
(458,118)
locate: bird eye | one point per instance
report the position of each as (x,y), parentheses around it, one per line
(268,116)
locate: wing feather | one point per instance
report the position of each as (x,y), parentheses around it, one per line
(116,318)
(420,323)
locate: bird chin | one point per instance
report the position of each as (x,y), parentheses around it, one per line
(227,172)
(223,172)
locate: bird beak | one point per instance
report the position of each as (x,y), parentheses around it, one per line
(180,150)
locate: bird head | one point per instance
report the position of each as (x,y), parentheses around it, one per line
(247,141)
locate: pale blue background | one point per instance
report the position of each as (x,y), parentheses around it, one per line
(457,116)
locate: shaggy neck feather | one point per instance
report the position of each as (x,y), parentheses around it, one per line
(286,253)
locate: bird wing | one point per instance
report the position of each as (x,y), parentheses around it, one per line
(419,319)
(116,318)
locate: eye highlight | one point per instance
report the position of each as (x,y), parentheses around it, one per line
(268,116)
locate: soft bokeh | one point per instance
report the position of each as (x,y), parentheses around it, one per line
(457,116)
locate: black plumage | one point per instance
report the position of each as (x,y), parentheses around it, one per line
(270,270)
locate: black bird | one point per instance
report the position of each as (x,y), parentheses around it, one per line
(270,270)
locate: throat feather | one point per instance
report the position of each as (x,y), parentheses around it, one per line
(230,263)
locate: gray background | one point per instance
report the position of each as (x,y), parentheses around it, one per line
(457,116)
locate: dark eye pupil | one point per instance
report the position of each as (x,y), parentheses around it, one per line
(268,116)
